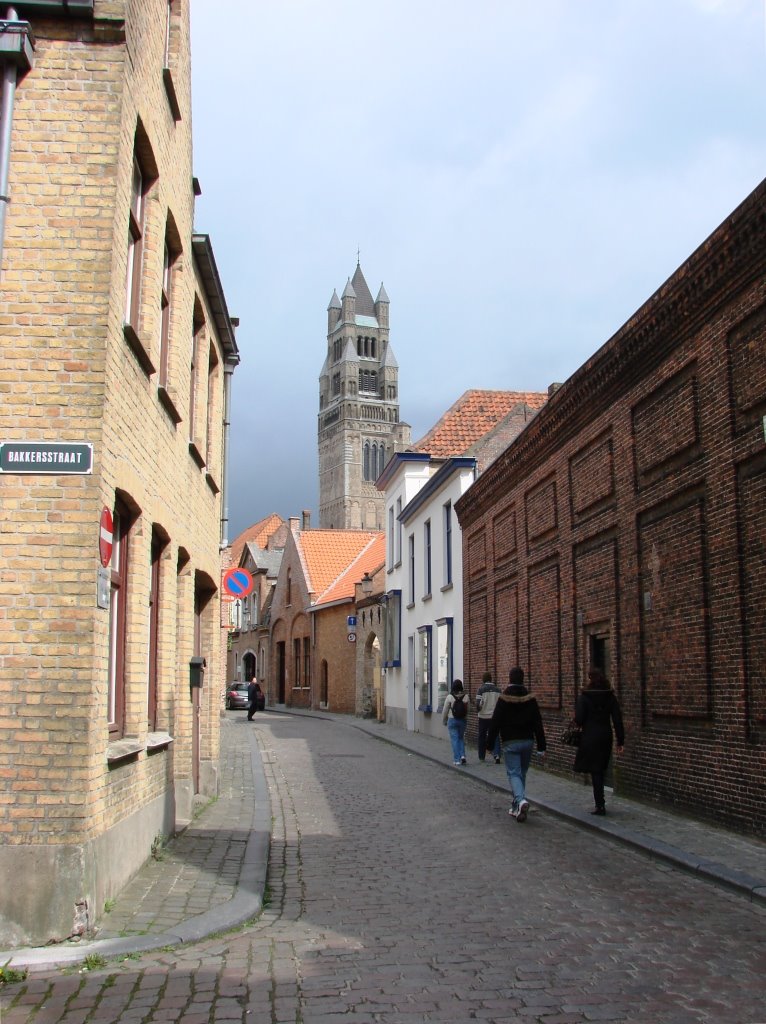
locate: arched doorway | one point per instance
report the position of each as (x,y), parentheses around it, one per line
(248,666)
(372,686)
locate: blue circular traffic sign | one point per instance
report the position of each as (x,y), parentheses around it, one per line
(237,582)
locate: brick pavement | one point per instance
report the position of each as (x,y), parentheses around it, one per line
(397,896)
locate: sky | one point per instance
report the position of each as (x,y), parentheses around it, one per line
(521,176)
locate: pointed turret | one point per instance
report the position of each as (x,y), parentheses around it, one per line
(381,307)
(333,311)
(349,303)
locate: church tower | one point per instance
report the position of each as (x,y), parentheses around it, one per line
(359,428)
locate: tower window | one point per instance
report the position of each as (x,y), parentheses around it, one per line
(368,382)
(336,383)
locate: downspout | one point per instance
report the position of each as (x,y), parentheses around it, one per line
(16,53)
(228,370)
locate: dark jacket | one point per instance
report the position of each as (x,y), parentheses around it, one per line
(596,711)
(516,717)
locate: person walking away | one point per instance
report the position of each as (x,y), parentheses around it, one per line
(518,722)
(455,717)
(486,699)
(252,699)
(597,710)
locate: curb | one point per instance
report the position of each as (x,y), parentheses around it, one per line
(245,903)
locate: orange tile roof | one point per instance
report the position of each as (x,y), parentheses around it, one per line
(370,558)
(328,554)
(473,415)
(257,534)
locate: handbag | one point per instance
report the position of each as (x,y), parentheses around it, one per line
(572,735)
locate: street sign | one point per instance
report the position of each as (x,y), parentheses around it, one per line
(237,582)
(105,537)
(351,620)
(352,638)
(49,457)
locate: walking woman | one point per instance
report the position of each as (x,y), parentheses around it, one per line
(596,711)
(455,716)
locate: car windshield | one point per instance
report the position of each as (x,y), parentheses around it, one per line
(239,686)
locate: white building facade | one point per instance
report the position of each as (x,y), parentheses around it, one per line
(424,586)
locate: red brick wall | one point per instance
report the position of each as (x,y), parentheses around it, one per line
(333,647)
(633,508)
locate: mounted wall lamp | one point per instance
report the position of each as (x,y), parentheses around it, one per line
(367,584)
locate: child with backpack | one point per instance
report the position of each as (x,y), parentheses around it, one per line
(455,717)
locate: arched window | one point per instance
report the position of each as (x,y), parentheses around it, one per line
(366,460)
(381,460)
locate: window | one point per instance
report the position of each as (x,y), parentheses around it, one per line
(212,406)
(381,460)
(398,531)
(117,621)
(165,316)
(427,558)
(368,382)
(393,631)
(391,537)
(135,246)
(411,573)
(154,628)
(171,34)
(423,668)
(443,660)
(289,588)
(296,663)
(245,613)
(306,663)
(366,461)
(198,339)
(336,384)
(448,544)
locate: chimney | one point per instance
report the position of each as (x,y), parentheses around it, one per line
(552,389)
(295,524)
(306,519)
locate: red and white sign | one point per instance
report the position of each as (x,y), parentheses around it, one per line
(105,537)
(237,582)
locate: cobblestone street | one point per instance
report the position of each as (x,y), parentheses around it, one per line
(401,892)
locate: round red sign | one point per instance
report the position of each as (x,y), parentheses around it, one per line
(105,537)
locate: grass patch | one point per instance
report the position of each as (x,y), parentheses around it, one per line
(10,975)
(93,961)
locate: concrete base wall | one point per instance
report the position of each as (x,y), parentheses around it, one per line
(54,892)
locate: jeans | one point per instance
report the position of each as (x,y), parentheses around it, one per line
(517,755)
(484,724)
(456,728)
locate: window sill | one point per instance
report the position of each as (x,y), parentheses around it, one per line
(167,401)
(211,483)
(410,606)
(122,750)
(170,92)
(196,454)
(158,741)
(426,597)
(139,350)
(446,587)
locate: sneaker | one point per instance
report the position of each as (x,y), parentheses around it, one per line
(523,810)
(497,760)
(463,760)
(513,811)
(456,764)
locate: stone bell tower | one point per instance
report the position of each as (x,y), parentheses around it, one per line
(358,428)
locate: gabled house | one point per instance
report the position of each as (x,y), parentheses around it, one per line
(259,550)
(424,590)
(312,660)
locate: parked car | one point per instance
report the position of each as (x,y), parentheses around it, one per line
(236,696)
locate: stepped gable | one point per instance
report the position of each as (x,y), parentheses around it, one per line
(369,560)
(472,416)
(258,534)
(327,554)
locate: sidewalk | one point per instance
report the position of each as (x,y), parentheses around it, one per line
(211,877)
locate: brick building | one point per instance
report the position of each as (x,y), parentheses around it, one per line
(311,662)
(624,528)
(116,349)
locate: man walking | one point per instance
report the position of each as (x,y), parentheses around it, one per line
(486,699)
(252,699)
(518,722)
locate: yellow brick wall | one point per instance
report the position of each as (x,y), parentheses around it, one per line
(67,373)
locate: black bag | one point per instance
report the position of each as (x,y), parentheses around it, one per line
(459,708)
(572,735)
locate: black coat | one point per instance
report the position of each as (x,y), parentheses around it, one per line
(597,711)
(516,717)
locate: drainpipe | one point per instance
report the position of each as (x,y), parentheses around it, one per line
(16,55)
(228,370)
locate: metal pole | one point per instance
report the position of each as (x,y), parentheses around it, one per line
(6,124)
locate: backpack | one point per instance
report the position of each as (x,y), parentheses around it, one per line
(459,708)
